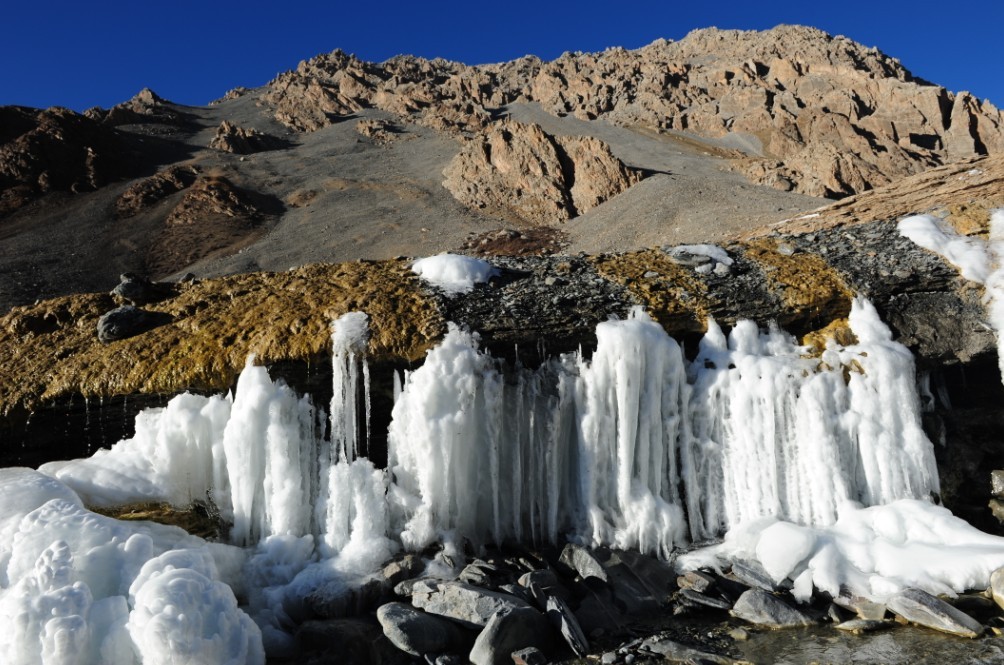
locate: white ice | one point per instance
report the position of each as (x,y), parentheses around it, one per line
(74,587)
(871,552)
(454,273)
(711,251)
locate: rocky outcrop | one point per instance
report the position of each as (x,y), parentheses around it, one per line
(144,107)
(814,113)
(144,194)
(521,172)
(213,216)
(243,140)
(54,150)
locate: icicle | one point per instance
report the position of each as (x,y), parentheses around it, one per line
(349,338)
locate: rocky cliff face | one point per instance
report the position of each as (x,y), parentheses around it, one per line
(523,172)
(806,111)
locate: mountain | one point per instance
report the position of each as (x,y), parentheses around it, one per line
(341,159)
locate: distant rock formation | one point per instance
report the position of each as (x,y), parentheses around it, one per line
(520,171)
(54,150)
(146,193)
(242,140)
(145,106)
(816,114)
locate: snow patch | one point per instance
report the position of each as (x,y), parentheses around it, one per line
(454,273)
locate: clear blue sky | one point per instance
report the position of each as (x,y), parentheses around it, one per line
(101,53)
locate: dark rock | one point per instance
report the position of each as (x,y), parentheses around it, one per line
(529,656)
(468,605)
(753,575)
(419,633)
(922,608)
(597,612)
(859,626)
(542,584)
(680,653)
(128,321)
(567,624)
(997,483)
(582,562)
(334,600)
(481,574)
(356,641)
(137,290)
(763,609)
(691,597)
(511,630)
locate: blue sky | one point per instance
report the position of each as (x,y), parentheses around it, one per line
(100,53)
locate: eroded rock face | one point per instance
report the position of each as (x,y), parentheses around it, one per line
(521,171)
(146,193)
(817,114)
(242,140)
(54,150)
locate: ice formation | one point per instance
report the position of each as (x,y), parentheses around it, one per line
(633,447)
(454,273)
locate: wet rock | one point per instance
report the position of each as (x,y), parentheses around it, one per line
(864,608)
(419,633)
(562,618)
(582,562)
(676,652)
(511,630)
(695,599)
(763,609)
(529,656)
(468,605)
(128,321)
(997,587)
(922,608)
(860,626)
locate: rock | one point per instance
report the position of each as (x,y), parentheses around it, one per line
(695,579)
(520,171)
(243,141)
(997,483)
(136,289)
(419,633)
(380,131)
(864,608)
(753,575)
(567,624)
(920,607)
(481,574)
(334,600)
(508,631)
(763,609)
(997,587)
(542,584)
(356,641)
(694,598)
(859,626)
(468,605)
(148,192)
(582,562)
(128,321)
(675,652)
(405,568)
(529,656)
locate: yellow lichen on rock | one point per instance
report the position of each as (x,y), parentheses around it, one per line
(675,296)
(50,350)
(838,330)
(809,288)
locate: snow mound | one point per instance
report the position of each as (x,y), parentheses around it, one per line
(452,272)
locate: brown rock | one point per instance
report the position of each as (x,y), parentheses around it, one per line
(520,171)
(146,193)
(242,141)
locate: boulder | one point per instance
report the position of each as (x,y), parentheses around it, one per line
(859,626)
(562,618)
(128,321)
(419,633)
(405,568)
(138,290)
(675,652)
(511,630)
(764,609)
(997,586)
(920,607)
(242,140)
(468,605)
